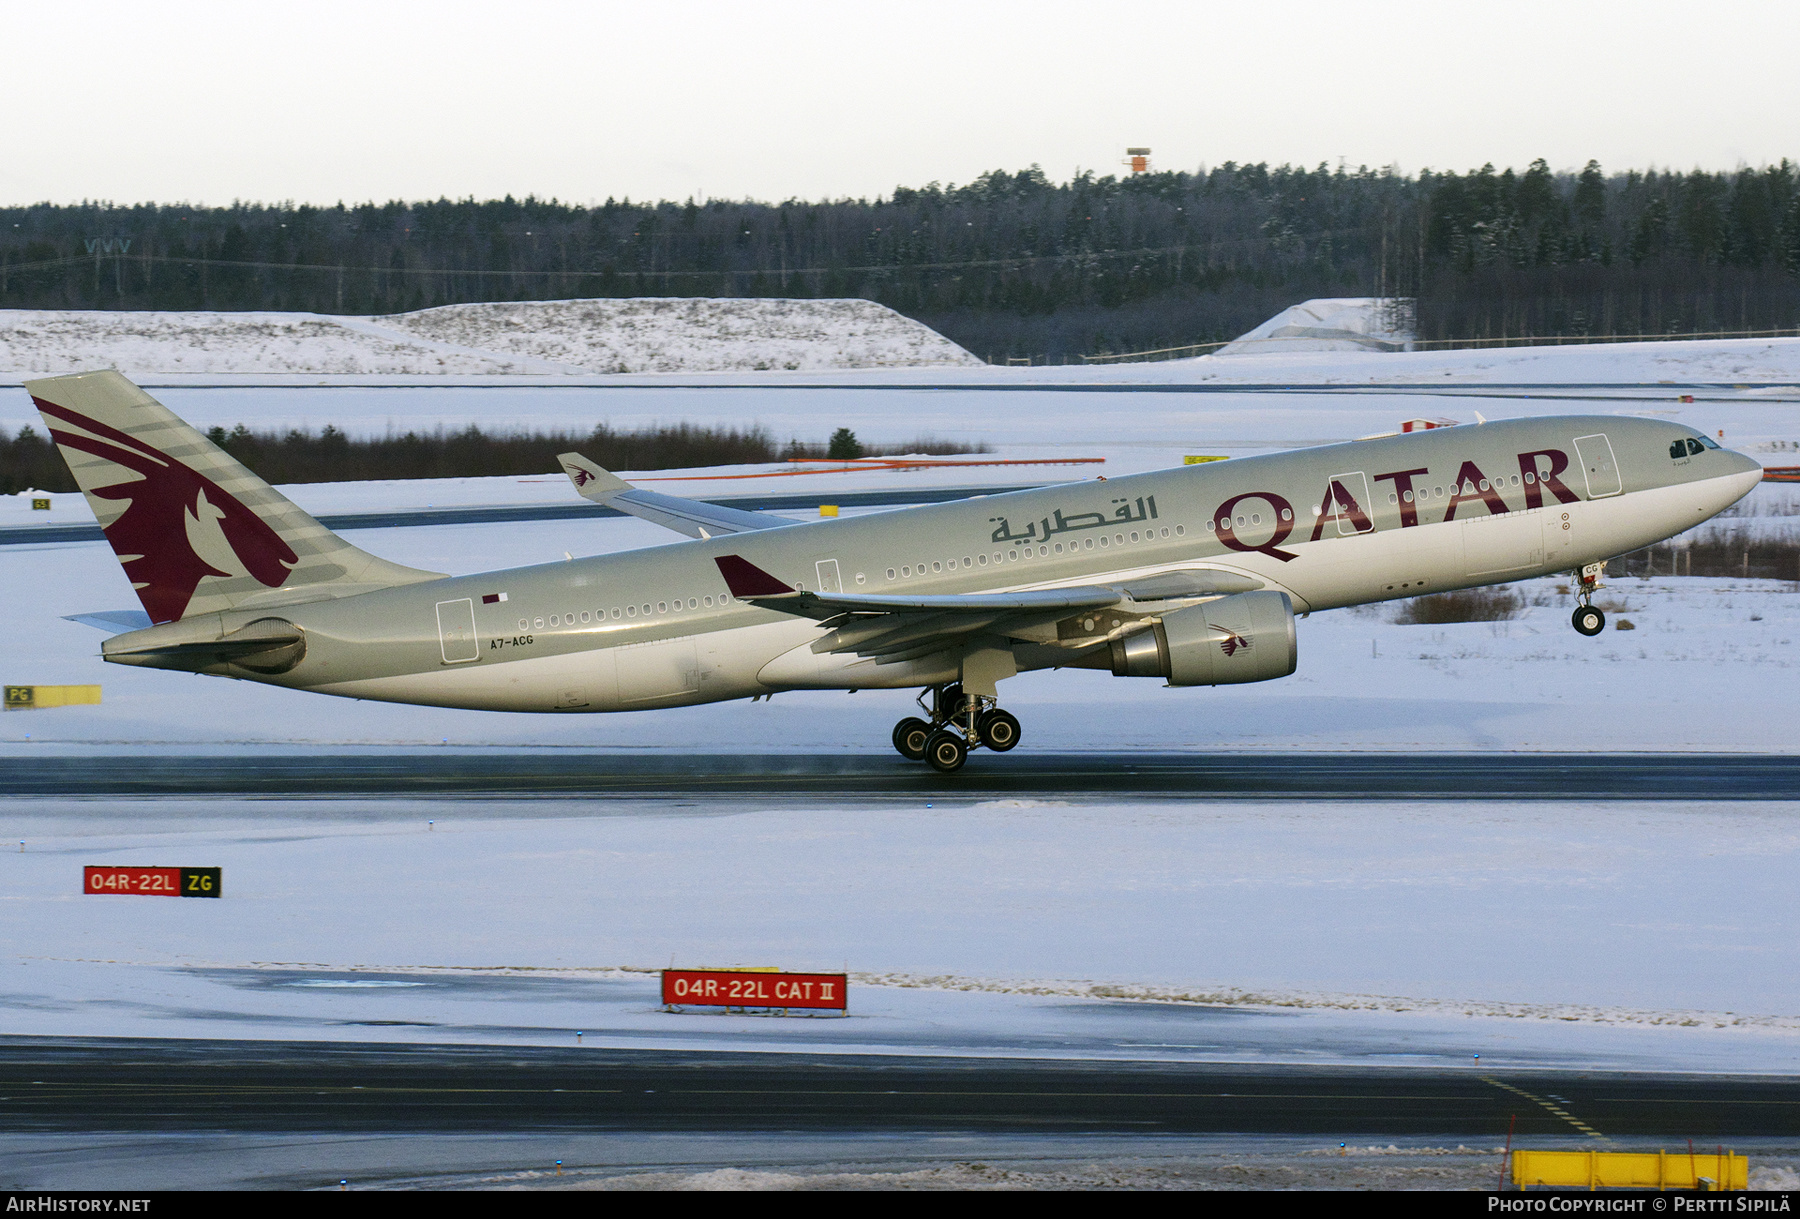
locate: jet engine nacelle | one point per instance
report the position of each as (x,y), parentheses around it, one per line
(1248,637)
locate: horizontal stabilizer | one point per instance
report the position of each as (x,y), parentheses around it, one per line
(268,645)
(113,622)
(695,518)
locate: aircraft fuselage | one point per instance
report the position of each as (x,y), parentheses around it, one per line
(1334,526)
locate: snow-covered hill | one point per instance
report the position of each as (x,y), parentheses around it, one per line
(571,338)
(661,334)
(1358,323)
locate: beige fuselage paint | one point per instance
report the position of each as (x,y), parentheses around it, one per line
(1333,526)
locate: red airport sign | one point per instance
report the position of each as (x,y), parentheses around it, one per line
(753,988)
(152,882)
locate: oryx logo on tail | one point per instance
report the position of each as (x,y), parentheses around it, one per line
(151,535)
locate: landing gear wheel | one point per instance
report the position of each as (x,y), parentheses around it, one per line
(910,736)
(999,730)
(1588,620)
(949,701)
(946,752)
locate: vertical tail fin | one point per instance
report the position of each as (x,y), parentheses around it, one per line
(195,531)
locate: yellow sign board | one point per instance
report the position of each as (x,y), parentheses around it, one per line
(40,505)
(1630,1169)
(1195,459)
(36,698)
(828,509)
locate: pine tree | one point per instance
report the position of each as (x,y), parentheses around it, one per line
(1590,198)
(1790,238)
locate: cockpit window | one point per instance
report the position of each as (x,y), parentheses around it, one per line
(1678,450)
(1690,447)
(1706,441)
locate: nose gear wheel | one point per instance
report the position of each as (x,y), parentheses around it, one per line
(1587,618)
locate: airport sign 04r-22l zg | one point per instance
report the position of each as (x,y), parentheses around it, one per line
(152,882)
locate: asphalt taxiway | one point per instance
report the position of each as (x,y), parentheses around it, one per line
(1215,776)
(143,1085)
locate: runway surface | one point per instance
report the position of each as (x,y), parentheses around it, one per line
(70,1084)
(1215,776)
(27,535)
(615,382)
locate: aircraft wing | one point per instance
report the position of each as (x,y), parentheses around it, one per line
(890,629)
(689,516)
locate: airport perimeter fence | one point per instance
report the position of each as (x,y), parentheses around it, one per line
(1717,554)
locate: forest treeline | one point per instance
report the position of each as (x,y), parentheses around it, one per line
(28,461)
(1009,265)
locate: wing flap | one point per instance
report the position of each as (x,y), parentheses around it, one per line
(891,629)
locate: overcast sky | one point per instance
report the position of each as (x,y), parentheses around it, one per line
(325,100)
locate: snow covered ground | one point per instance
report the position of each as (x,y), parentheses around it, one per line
(1624,936)
(1329,324)
(777,342)
(690,334)
(554,339)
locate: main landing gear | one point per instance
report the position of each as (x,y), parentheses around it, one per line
(1587,617)
(958,723)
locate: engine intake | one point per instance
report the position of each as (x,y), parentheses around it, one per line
(1247,637)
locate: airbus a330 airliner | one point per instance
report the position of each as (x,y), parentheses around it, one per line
(1193,575)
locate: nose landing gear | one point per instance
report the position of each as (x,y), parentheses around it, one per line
(958,723)
(1587,618)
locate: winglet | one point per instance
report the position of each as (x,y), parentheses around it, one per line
(748,581)
(590,480)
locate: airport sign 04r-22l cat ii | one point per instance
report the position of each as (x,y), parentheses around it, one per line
(1193,574)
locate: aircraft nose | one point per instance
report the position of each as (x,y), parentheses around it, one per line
(1745,473)
(1743,464)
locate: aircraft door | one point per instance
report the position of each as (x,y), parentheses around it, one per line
(1596,455)
(829,579)
(456,631)
(1349,501)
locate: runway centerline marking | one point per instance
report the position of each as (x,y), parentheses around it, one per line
(1549,1105)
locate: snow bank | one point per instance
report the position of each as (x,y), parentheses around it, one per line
(539,338)
(1348,323)
(655,334)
